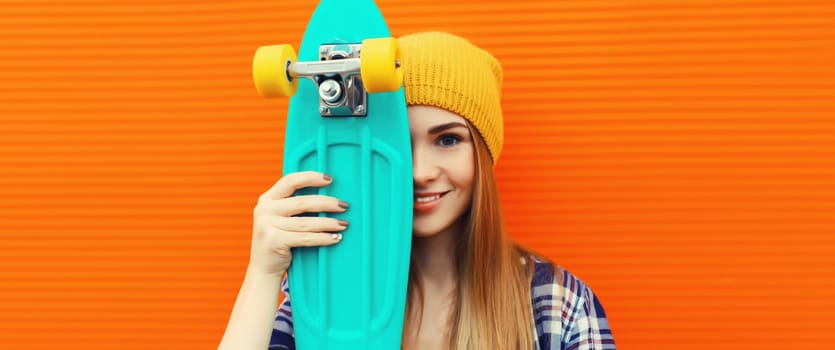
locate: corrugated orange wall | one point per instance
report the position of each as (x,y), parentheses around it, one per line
(679,156)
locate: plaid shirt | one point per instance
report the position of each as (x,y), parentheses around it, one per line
(566,317)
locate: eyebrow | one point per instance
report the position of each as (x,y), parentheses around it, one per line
(438,128)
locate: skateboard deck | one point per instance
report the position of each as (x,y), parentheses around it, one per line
(350,295)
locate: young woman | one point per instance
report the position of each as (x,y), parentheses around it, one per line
(470,286)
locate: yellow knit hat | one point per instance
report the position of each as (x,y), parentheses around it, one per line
(449,72)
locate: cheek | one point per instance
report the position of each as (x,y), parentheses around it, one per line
(464,171)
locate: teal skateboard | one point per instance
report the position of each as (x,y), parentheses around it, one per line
(347,118)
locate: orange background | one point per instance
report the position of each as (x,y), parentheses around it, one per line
(679,156)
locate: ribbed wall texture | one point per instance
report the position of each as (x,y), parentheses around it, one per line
(679,156)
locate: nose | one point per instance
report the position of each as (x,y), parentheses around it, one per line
(425,170)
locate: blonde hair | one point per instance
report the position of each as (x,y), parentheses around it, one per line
(484,316)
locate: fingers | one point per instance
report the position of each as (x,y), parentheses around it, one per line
(312,239)
(310,224)
(313,203)
(289,184)
(276,229)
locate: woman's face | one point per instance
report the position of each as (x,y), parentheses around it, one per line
(444,167)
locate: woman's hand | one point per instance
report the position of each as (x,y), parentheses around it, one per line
(276,229)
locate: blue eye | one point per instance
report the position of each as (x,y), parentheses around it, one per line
(448,140)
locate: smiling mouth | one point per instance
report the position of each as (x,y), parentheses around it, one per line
(428,197)
(425,202)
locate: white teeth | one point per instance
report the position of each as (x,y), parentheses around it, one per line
(427,199)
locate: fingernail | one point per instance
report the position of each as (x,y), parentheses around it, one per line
(343,205)
(336,236)
(343,223)
(326,177)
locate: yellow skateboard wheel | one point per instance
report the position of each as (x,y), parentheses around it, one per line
(270,71)
(380,65)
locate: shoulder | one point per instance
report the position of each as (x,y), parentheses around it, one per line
(567,313)
(552,281)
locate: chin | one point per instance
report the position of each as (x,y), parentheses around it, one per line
(424,233)
(431,227)
(428,226)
